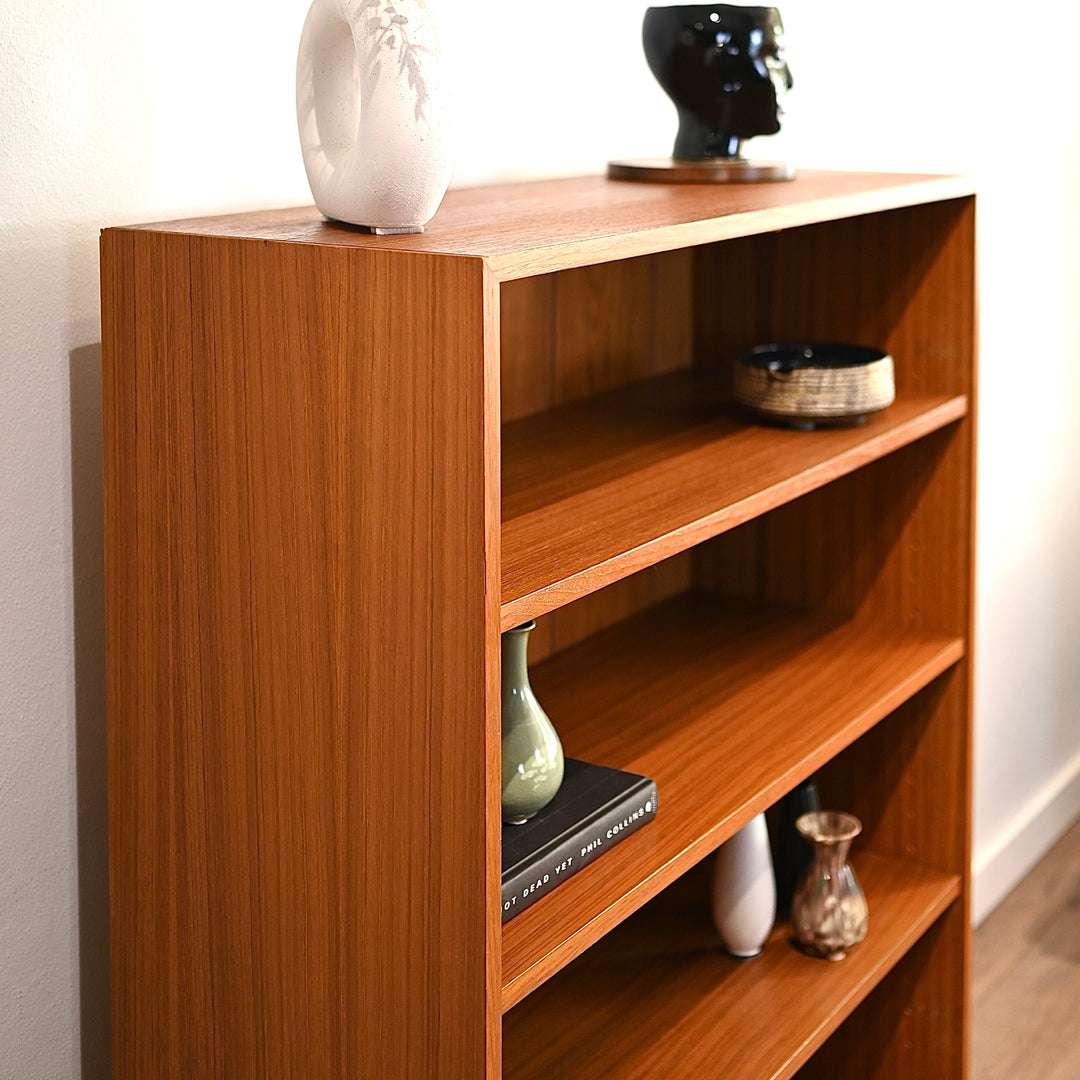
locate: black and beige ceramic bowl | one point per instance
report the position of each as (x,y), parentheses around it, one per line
(811,384)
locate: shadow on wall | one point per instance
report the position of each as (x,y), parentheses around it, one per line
(88,555)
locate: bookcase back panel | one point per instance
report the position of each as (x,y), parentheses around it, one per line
(921,750)
(901,280)
(858,545)
(573,623)
(575,333)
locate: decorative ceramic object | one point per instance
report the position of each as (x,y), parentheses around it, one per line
(807,384)
(829,913)
(794,852)
(532,756)
(744,890)
(723,67)
(372,112)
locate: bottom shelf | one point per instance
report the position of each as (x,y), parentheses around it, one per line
(658,997)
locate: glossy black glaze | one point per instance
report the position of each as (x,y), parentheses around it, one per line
(792,355)
(723,67)
(794,852)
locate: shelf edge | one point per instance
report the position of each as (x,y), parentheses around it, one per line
(940,891)
(581,583)
(543,967)
(532,262)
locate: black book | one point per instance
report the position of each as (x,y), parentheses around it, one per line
(595,808)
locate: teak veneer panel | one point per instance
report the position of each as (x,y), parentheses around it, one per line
(595,491)
(300,652)
(338,464)
(913,1023)
(714,703)
(659,997)
(526,229)
(903,281)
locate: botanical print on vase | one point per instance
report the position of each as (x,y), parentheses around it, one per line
(372,113)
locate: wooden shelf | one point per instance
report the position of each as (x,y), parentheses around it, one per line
(525,229)
(659,997)
(601,488)
(711,701)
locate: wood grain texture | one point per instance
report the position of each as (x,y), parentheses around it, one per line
(572,334)
(894,539)
(522,230)
(902,280)
(711,702)
(859,543)
(923,750)
(919,751)
(299,649)
(911,1025)
(566,335)
(338,464)
(527,347)
(568,625)
(659,997)
(627,479)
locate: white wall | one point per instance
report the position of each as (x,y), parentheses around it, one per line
(124,110)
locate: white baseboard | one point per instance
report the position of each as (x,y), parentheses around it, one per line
(1003,864)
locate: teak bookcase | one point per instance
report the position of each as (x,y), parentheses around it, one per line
(338,465)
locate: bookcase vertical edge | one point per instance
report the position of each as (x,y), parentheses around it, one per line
(301,657)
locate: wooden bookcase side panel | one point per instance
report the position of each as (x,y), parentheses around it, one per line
(296,888)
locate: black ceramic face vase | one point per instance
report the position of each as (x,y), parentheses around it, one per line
(723,67)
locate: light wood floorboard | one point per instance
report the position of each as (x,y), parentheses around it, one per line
(1026,990)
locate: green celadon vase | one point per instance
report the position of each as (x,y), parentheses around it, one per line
(532,756)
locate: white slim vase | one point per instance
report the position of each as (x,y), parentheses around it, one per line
(372,112)
(744,890)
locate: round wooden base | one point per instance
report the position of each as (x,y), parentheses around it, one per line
(711,171)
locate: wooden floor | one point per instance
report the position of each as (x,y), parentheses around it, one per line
(1026,991)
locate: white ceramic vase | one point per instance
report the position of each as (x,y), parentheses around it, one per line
(372,112)
(744,890)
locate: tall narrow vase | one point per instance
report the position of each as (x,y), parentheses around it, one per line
(372,111)
(532,756)
(744,890)
(829,913)
(793,851)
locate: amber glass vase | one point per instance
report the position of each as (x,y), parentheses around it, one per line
(829,914)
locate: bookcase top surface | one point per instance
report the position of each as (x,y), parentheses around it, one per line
(539,226)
